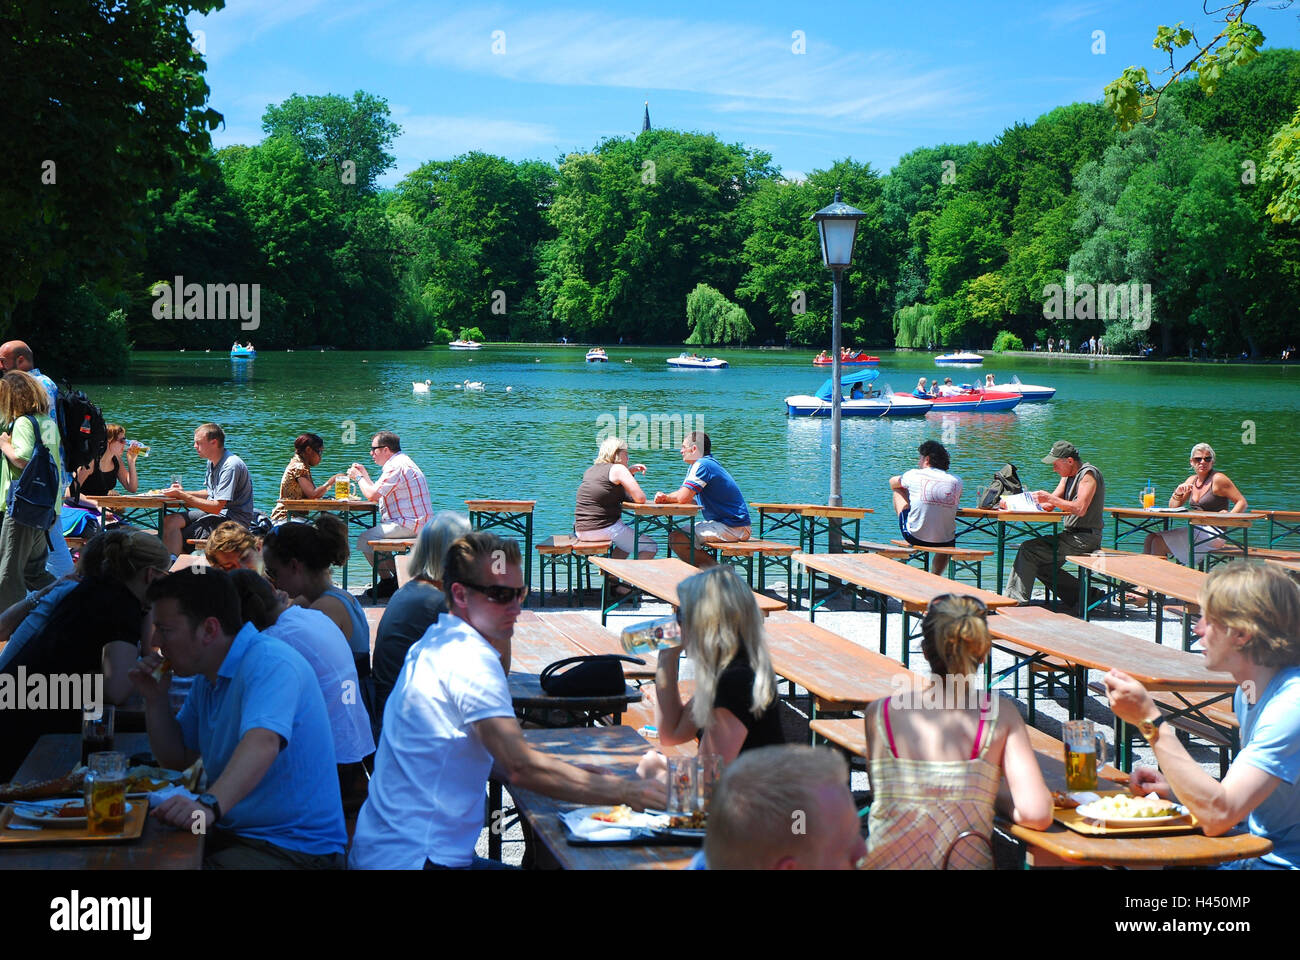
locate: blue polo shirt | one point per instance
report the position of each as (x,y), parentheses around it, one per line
(1270,741)
(717,493)
(265,683)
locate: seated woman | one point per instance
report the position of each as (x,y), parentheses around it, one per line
(921,392)
(936,769)
(116,465)
(321,643)
(734,707)
(415,607)
(857,393)
(297,484)
(232,547)
(1250,626)
(298,557)
(96,628)
(1206,489)
(608,482)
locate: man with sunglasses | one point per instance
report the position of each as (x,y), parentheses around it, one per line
(449,724)
(404,504)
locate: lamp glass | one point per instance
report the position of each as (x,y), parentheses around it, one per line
(837,236)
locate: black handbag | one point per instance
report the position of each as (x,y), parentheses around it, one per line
(593,675)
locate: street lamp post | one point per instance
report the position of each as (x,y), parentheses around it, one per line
(838,226)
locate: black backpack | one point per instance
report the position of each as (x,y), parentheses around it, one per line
(82,429)
(1005,483)
(32,497)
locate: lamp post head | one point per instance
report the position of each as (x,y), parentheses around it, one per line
(838,227)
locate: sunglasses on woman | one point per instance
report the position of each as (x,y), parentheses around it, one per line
(1202,459)
(498,594)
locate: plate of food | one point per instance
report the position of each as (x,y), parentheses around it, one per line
(620,824)
(52,813)
(1123,810)
(143,779)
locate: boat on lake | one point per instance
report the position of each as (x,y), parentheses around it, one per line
(693,361)
(859,359)
(976,401)
(465,345)
(597,355)
(875,403)
(242,353)
(963,357)
(1031,393)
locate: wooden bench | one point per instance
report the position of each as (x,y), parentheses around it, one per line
(572,552)
(390,547)
(959,558)
(743,552)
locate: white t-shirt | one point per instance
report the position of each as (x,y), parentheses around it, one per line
(319,640)
(426,796)
(933,496)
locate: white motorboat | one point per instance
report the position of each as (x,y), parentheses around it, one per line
(962,357)
(465,345)
(693,361)
(1029,392)
(597,355)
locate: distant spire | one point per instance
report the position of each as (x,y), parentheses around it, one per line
(645,124)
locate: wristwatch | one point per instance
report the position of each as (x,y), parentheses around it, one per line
(1148,729)
(208,800)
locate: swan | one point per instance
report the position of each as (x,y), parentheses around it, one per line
(509,389)
(474,385)
(421,387)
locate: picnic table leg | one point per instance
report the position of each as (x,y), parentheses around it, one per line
(604,594)
(1056,559)
(528,549)
(1085,590)
(692,536)
(880,604)
(907,629)
(1002,547)
(1160,617)
(1187,629)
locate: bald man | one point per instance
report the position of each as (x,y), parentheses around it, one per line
(16,355)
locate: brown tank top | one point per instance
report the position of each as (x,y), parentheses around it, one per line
(1092,520)
(600,502)
(1211,502)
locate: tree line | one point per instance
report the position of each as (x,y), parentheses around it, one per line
(1031,234)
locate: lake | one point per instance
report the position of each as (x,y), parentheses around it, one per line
(536,426)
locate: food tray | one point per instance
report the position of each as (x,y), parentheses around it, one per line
(137,812)
(1069,817)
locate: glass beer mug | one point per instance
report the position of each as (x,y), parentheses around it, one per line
(106,793)
(342,488)
(1085,748)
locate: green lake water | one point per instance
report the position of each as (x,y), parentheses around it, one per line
(1134,420)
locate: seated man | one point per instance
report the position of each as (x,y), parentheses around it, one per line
(784,808)
(257,718)
(725,512)
(1081,494)
(404,505)
(926,501)
(1250,626)
(228,496)
(948,390)
(450,723)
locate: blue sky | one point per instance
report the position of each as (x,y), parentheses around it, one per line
(875,79)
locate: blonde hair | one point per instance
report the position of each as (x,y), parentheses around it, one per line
(1260,600)
(721,620)
(25,395)
(1203,446)
(749,816)
(955,635)
(610,449)
(230,537)
(114,431)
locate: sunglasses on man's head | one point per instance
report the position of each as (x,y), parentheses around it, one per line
(498,594)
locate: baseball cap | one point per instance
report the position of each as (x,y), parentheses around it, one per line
(1060,450)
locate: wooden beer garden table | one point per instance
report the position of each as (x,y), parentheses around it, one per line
(515,516)
(618,750)
(1136,521)
(594,639)
(1086,646)
(839,675)
(1005,527)
(358,513)
(883,578)
(143,509)
(1154,574)
(659,578)
(1282,524)
(160,847)
(662,516)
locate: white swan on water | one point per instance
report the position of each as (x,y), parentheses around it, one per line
(474,385)
(421,387)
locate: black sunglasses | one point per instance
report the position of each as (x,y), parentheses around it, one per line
(1202,459)
(380,447)
(498,594)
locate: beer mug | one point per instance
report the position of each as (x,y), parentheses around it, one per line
(105,792)
(708,773)
(342,488)
(1084,749)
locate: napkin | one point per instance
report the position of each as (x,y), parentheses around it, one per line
(581,825)
(166,793)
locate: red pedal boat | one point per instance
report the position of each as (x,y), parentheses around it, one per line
(860,359)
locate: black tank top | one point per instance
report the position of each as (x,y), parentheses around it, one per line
(600,502)
(99,482)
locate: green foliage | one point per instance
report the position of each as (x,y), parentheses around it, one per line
(103,102)
(346,142)
(90,339)
(442,336)
(1283,168)
(916,326)
(1006,340)
(713,318)
(471,333)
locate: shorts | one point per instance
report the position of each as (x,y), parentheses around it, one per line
(621,535)
(917,541)
(199,525)
(717,530)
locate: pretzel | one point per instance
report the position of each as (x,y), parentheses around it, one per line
(38,789)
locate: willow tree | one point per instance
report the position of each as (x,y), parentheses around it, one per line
(715,319)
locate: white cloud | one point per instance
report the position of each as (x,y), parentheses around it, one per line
(441,137)
(753,70)
(1070,13)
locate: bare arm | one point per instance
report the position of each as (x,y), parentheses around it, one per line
(724,735)
(1082,500)
(1030,798)
(683,494)
(896,483)
(672,717)
(117,658)
(623,477)
(522,766)
(165,739)
(126,473)
(1226,488)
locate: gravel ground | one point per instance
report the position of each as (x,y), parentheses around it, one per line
(863,627)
